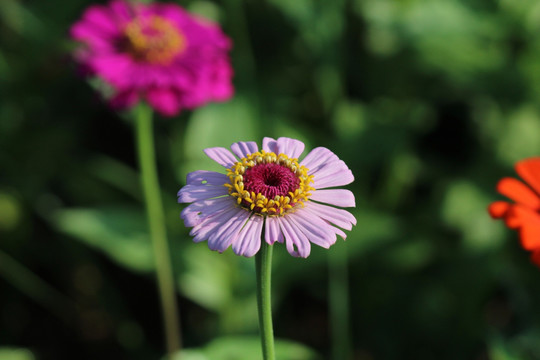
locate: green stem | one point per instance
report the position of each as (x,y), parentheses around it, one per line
(156,222)
(338,296)
(263,265)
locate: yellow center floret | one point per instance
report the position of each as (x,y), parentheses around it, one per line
(154,40)
(269,184)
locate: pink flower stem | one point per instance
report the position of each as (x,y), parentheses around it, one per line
(263,266)
(158,232)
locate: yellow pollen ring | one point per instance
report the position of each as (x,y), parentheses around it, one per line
(154,40)
(258,203)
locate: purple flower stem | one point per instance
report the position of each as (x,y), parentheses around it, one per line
(158,232)
(263,266)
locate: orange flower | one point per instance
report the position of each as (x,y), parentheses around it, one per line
(524,215)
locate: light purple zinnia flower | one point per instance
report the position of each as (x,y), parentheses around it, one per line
(156,52)
(271,191)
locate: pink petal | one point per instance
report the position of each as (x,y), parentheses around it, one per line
(339,217)
(124,99)
(163,100)
(269,145)
(202,231)
(200,74)
(190,193)
(87,34)
(197,212)
(343,177)
(328,168)
(339,233)
(221,239)
(100,18)
(243,149)
(337,197)
(294,238)
(121,10)
(115,69)
(316,230)
(221,155)
(249,240)
(290,147)
(272,231)
(201,177)
(331,175)
(318,157)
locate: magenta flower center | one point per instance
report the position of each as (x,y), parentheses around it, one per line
(154,40)
(269,184)
(270,180)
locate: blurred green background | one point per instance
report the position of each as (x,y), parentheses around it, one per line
(429,102)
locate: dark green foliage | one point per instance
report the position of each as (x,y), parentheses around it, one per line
(429,102)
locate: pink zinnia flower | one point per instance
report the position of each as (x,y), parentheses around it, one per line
(156,52)
(269,190)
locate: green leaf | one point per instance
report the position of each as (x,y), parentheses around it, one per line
(521,136)
(119,232)
(465,208)
(224,283)
(8,353)
(246,348)
(209,286)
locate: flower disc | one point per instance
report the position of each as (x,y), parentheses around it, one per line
(269,184)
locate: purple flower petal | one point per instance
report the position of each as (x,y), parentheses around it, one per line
(218,218)
(221,155)
(294,238)
(243,149)
(249,240)
(331,176)
(318,157)
(190,193)
(222,238)
(269,145)
(213,222)
(337,197)
(272,231)
(201,177)
(315,229)
(339,217)
(198,211)
(290,147)
(339,232)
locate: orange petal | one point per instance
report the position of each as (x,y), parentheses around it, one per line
(535,257)
(519,192)
(512,220)
(529,170)
(530,236)
(529,231)
(498,209)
